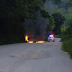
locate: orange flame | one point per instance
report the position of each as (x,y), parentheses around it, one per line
(39,41)
(30,42)
(26,38)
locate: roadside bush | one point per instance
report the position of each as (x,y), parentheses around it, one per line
(67,41)
(67,46)
(11,39)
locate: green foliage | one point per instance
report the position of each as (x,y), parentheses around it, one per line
(68,20)
(67,46)
(58,1)
(67,40)
(44,14)
(51,25)
(58,18)
(69,3)
(17,8)
(12,15)
(52,22)
(11,39)
(61,15)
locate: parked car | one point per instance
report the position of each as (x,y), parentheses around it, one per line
(51,38)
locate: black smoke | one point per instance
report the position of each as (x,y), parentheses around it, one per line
(39,25)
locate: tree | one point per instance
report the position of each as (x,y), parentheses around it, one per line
(59,19)
(59,10)
(58,1)
(68,17)
(51,25)
(69,3)
(13,13)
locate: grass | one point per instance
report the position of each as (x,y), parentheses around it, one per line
(67,46)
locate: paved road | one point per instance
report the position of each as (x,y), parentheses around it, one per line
(46,57)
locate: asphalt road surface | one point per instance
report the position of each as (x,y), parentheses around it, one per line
(24,57)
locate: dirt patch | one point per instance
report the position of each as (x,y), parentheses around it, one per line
(33,55)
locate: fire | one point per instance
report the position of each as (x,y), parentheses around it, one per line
(39,41)
(26,38)
(30,42)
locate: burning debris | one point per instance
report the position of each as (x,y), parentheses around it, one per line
(26,38)
(39,41)
(36,27)
(32,41)
(36,33)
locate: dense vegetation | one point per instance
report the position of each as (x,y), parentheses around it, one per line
(66,29)
(63,24)
(14,12)
(59,19)
(12,16)
(51,25)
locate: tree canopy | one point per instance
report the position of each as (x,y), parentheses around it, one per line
(12,15)
(58,1)
(59,19)
(69,3)
(51,25)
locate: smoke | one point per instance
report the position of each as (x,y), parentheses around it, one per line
(40,23)
(49,6)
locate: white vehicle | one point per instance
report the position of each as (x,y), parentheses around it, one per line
(51,38)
